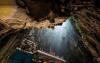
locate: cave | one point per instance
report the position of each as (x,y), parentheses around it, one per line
(50,31)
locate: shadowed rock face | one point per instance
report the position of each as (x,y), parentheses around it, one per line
(97,3)
(60,7)
(37,8)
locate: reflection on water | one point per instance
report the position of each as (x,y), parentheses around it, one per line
(20,57)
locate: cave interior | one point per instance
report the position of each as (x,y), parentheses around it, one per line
(50,31)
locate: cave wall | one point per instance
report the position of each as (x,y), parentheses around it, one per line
(87,18)
(9,43)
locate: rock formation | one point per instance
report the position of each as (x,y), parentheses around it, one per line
(85,14)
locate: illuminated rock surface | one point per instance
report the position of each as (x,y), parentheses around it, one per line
(86,15)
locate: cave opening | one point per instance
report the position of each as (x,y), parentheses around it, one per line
(62,41)
(34,31)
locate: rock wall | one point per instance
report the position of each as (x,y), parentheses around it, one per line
(87,17)
(8,44)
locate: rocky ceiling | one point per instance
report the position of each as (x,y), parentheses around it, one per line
(45,14)
(28,14)
(41,14)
